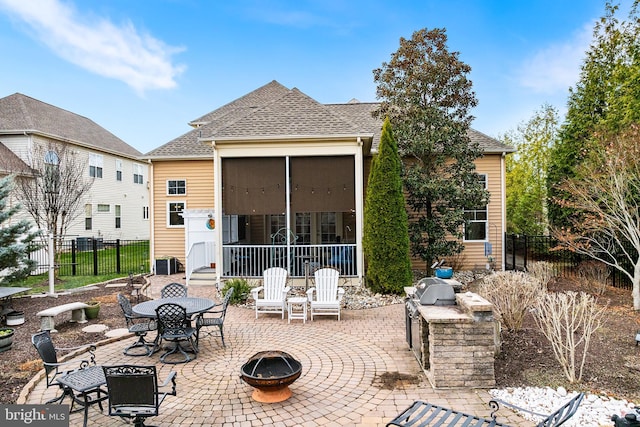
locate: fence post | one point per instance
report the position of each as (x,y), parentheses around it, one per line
(526,252)
(74,266)
(95,256)
(117,255)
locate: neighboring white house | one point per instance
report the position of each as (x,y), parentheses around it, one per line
(117,206)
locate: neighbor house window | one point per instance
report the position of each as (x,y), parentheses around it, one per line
(52,172)
(118,170)
(95,165)
(477,219)
(104,208)
(88,223)
(174,211)
(118,217)
(145,212)
(176,187)
(138,177)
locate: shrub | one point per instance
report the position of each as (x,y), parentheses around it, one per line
(511,293)
(567,320)
(543,271)
(594,274)
(241,289)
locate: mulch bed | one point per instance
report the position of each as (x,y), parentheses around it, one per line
(19,364)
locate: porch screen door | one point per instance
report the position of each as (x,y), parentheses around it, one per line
(253,186)
(322,184)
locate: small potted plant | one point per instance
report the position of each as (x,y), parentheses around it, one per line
(92,311)
(6,338)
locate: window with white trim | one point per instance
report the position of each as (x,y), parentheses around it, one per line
(176,187)
(174,214)
(145,212)
(88,220)
(327,227)
(477,219)
(104,208)
(96,162)
(118,216)
(138,174)
(118,170)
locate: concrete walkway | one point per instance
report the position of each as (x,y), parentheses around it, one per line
(344,366)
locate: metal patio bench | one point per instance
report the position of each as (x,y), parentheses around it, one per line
(423,414)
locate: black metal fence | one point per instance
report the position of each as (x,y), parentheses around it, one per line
(95,256)
(522,250)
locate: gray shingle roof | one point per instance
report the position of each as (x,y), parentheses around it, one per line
(20,113)
(275,111)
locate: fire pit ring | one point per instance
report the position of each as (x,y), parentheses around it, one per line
(270,373)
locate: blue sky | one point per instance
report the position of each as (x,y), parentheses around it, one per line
(144,69)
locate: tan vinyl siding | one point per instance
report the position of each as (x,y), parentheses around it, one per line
(473,254)
(474,251)
(198,174)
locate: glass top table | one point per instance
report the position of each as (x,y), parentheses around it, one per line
(193,305)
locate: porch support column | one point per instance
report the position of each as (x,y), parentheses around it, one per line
(288,208)
(359,184)
(217,197)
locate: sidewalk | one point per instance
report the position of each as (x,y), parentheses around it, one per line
(355,372)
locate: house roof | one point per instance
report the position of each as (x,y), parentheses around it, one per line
(11,163)
(20,113)
(273,111)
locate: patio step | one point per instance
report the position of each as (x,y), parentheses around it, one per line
(205,276)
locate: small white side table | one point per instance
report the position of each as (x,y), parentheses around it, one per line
(297,308)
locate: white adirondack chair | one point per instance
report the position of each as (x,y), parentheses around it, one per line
(328,295)
(274,291)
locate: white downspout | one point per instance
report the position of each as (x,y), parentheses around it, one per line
(217,212)
(152,216)
(359,193)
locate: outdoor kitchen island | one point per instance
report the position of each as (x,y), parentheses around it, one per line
(454,344)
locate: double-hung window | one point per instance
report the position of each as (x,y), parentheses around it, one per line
(477,219)
(176,187)
(118,216)
(118,170)
(174,214)
(95,165)
(88,220)
(138,174)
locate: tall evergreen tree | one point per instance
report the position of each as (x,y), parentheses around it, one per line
(386,239)
(425,92)
(16,240)
(605,99)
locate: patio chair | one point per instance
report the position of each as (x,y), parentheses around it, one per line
(173,290)
(325,297)
(137,325)
(55,370)
(134,391)
(274,292)
(174,326)
(219,313)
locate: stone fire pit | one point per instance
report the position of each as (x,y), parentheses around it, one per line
(271,373)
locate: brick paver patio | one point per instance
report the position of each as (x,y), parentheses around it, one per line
(342,366)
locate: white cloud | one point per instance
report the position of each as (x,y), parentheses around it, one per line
(96,44)
(556,67)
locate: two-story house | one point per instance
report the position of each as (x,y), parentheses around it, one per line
(117,204)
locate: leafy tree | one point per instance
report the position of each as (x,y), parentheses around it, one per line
(425,92)
(386,241)
(606,198)
(606,98)
(526,179)
(16,239)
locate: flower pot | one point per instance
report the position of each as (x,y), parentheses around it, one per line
(444,272)
(6,338)
(92,311)
(15,318)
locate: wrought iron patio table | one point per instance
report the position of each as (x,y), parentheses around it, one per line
(84,382)
(193,305)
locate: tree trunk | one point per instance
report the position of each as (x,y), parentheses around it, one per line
(636,286)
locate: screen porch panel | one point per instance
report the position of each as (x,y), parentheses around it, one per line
(322,184)
(253,185)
